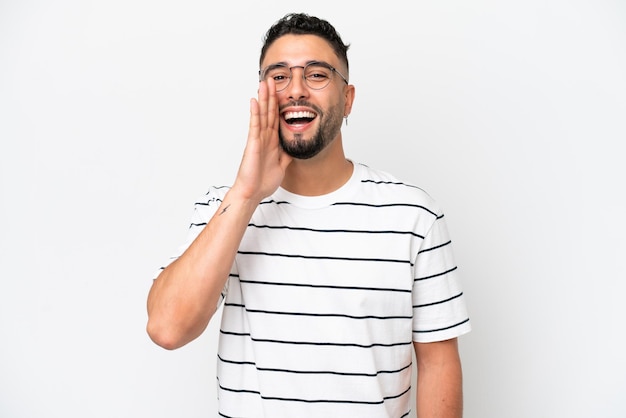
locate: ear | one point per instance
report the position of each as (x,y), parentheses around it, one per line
(349,92)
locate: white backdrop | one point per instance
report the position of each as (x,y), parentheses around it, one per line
(115,115)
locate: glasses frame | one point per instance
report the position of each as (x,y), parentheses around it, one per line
(262,73)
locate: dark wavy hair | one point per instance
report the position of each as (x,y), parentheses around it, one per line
(304,24)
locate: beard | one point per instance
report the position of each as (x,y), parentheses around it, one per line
(305,148)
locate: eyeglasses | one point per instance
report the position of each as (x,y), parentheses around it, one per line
(316,75)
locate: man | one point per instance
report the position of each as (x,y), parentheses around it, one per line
(330,272)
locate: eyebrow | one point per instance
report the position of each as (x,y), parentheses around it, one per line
(286,64)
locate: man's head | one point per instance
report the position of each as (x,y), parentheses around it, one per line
(307,60)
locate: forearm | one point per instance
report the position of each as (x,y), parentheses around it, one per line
(184,296)
(439,384)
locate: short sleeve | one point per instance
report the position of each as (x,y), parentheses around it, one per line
(439,308)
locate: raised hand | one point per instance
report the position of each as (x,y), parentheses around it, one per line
(181,297)
(264,162)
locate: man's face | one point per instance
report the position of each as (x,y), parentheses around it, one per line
(309,119)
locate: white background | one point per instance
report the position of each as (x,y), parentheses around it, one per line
(115,115)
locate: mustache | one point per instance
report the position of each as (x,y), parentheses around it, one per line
(300,103)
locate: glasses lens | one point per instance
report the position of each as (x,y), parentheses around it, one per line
(281,74)
(317,75)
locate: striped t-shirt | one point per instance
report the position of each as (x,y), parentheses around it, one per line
(326,296)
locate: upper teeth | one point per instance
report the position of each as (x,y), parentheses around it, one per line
(299,115)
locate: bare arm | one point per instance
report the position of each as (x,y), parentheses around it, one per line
(439,380)
(183,298)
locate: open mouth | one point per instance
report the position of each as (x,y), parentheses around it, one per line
(299,118)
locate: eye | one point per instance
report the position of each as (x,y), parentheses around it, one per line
(317,73)
(278,74)
(279,77)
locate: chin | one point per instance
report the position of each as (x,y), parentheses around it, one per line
(302,149)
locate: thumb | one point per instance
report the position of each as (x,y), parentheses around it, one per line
(284,160)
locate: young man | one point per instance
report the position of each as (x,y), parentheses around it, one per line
(330,272)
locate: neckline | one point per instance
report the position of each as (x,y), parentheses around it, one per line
(325,200)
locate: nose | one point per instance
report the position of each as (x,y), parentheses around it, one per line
(297,88)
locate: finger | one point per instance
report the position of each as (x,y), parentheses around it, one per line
(272,106)
(284,160)
(253,129)
(263,103)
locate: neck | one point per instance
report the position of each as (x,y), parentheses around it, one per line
(322,174)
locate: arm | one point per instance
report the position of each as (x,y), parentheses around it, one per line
(180,295)
(439,380)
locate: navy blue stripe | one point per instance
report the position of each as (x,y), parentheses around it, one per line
(317,286)
(387,205)
(438,302)
(441,329)
(275,398)
(353,231)
(268,369)
(434,248)
(314,343)
(436,275)
(327,315)
(322,257)
(394,183)
(209,202)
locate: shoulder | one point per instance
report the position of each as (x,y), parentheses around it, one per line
(212,197)
(207,204)
(384,188)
